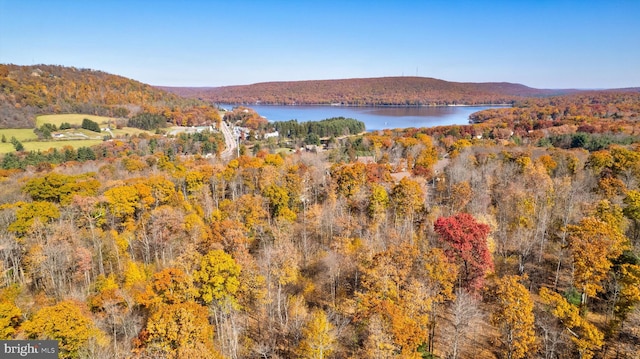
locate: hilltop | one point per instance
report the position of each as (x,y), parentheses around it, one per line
(402,91)
(26,91)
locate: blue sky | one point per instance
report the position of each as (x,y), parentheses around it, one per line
(543,44)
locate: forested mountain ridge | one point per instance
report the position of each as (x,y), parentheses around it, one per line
(402,91)
(26,91)
(586,108)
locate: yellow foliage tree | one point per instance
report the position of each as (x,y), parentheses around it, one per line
(349,178)
(28,213)
(60,188)
(586,337)
(180,331)
(378,202)
(122,200)
(133,164)
(66,323)
(425,160)
(513,315)
(279,202)
(10,314)
(133,274)
(318,337)
(218,278)
(251,212)
(107,292)
(629,278)
(407,197)
(593,243)
(632,211)
(194,181)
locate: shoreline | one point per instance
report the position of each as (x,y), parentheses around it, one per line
(366,105)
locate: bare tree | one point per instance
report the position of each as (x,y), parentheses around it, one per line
(552,340)
(465,315)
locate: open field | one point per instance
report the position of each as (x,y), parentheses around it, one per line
(71,118)
(76,119)
(128,131)
(76,137)
(45,145)
(6,148)
(21,134)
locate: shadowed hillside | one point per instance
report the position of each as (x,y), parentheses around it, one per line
(26,91)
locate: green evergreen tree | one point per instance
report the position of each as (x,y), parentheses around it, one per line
(87,124)
(11,161)
(17,144)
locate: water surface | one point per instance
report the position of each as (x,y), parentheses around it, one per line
(374,118)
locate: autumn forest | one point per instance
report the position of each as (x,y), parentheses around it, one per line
(516,236)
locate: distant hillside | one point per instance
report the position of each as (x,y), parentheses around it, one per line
(369,91)
(26,91)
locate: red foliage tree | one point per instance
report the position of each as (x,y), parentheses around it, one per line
(465,243)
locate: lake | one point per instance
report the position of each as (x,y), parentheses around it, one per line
(374,118)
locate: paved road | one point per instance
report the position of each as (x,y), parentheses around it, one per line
(229,140)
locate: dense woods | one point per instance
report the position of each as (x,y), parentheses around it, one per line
(403,91)
(456,242)
(331,127)
(575,108)
(147,121)
(498,239)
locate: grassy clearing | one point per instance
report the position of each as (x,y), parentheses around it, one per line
(76,119)
(75,138)
(129,131)
(71,118)
(21,134)
(284,150)
(43,146)
(31,143)
(6,148)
